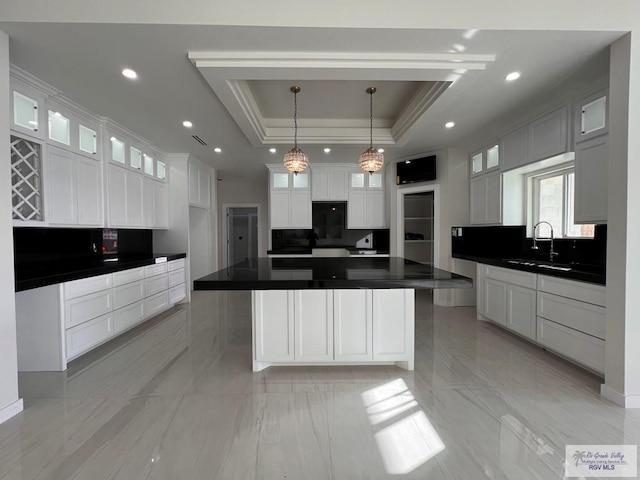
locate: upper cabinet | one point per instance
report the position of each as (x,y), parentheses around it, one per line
(486,199)
(366,207)
(199,186)
(329,183)
(71,130)
(485,160)
(27,110)
(543,138)
(591,117)
(289,198)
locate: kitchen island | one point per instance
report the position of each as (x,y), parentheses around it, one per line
(332,311)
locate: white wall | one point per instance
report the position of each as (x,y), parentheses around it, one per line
(248,189)
(9,402)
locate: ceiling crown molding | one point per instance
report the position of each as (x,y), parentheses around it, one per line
(229,73)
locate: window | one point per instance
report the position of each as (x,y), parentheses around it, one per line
(553,202)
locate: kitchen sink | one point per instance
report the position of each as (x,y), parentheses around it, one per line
(562,267)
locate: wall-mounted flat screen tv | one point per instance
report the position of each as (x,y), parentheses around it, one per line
(416,170)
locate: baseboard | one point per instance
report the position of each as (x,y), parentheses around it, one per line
(626,401)
(11,410)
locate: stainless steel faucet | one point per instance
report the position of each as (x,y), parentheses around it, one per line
(550,239)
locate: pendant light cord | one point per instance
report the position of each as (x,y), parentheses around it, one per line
(371,120)
(295,119)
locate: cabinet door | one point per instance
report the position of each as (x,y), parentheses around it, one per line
(320,185)
(513,148)
(591,180)
(521,311)
(27,108)
(591,116)
(375,211)
(353,325)
(313,316)
(273,325)
(493,197)
(393,324)
(161,202)
(548,136)
(148,203)
(89,192)
(117,196)
(337,185)
(204,182)
(63,195)
(135,188)
(194,185)
(495,301)
(477,197)
(300,209)
(356,209)
(279,209)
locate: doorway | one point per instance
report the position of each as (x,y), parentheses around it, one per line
(242,234)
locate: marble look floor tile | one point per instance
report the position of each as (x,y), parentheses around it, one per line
(176,399)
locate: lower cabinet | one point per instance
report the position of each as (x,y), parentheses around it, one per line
(565,316)
(82,338)
(334,326)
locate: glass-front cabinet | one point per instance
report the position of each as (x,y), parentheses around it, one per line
(27,110)
(149,166)
(366,180)
(135,158)
(87,139)
(59,128)
(161,170)
(485,160)
(118,150)
(282,180)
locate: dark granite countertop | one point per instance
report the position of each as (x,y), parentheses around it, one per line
(304,250)
(572,271)
(41,274)
(321,272)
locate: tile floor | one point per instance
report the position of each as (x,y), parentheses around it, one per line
(176,399)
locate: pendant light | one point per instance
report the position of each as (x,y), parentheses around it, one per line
(295,160)
(371,160)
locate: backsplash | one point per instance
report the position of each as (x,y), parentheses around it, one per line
(348,238)
(33,245)
(511,242)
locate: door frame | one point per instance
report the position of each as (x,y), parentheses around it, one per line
(401,192)
(224,231)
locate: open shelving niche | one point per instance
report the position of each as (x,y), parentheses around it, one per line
(418,227)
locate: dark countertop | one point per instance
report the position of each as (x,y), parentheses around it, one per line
(581,272)
(304,250)
(42,274)
(329,273)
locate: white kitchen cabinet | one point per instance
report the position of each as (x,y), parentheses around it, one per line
(129,316)
(393,324)
(148,202)
(495,300)
(366,207)
(329,184)
(521,311)
(485,160)
(73,185)
(118,150)
(591,116)
(126,198)
(59,127)
(27,110)
(161,205)
(513,148)
(485,195)
(199,186)
(134,185)
(313,325)
(88,335)
(591,185)
(88,142)
(274,325)
(549,135)
(289,199)
(124,295)
(353,325)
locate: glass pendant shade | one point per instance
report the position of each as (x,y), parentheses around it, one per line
(371,160)
(295,160)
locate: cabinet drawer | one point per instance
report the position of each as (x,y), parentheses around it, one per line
(176,277)
(584,349)
(127,317)
(176,264)
(155,284)
(128,294)
(151,270)
(85,286)
(581,316)
(514,277)
(585,292)
(79,310)
(86,336)
(128,276)
(156,304)
(177,293)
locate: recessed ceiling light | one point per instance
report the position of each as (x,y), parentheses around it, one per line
(407,161)
(187,124)
(381,150)
(512,76)
(272,150)
(327,150)
(130,74)
(217,150)
(449,124)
